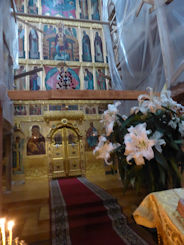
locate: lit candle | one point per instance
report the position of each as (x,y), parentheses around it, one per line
(16,241)
(2,226)
(22,242)
(10,226)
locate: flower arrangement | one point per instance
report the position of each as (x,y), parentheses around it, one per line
(148,143)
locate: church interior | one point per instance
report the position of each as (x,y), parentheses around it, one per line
(63,62)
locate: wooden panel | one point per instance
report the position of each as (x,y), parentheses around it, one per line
(75,94)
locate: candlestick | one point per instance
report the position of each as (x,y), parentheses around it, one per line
(2,226)
(10,226)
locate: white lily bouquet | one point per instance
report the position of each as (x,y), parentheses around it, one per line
(148,143)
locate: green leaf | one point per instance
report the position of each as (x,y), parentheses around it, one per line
(137,173)
(151,177)
(168,109)
(131,119)
(173,144)
(162,175)
(121,120)
(161,160)
(175,168)
(178,141)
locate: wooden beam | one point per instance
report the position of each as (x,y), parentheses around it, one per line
(151,2)
(30,25)
(75,95)
(62,18)
(27,73)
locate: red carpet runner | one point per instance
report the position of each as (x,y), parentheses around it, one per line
(84,214)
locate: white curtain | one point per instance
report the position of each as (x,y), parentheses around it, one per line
(150,48)
(8,57)
(170,20)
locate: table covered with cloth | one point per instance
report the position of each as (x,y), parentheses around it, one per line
(158,210)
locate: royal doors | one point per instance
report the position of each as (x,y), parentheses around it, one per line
(66,153)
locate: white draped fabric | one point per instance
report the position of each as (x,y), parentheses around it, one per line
(150,47)
(8,57)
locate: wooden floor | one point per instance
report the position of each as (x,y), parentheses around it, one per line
(28,205)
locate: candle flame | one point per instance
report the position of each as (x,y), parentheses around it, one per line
(2,221)
(10,225)
(2,226)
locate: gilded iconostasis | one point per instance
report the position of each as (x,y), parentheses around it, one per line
(75,49)
(73,56)
(43,134)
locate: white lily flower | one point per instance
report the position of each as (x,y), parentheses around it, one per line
(113,107)
(109,117)
(124,117)
(134,109)
(101,141)
(150,102)
(138,145)
(158,141)
(105,148)
(151,106)
(174,122)
(147,102)
(167,101)
(181,128)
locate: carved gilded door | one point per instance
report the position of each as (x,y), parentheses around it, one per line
(65,153)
